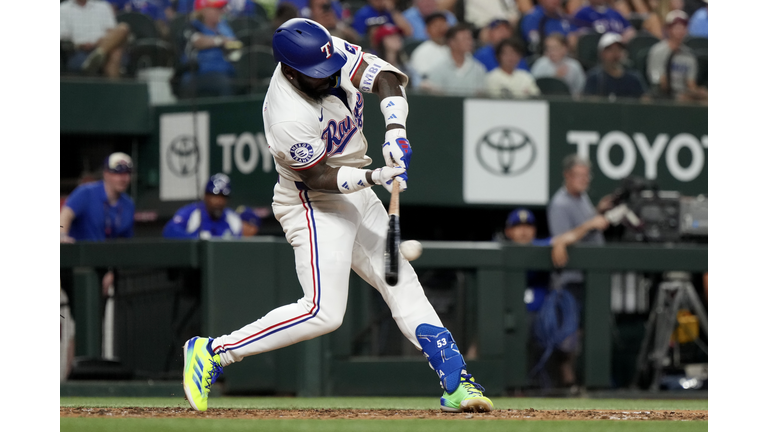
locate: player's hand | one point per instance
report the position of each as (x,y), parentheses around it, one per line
(599,222)
(386,175)
(397,152)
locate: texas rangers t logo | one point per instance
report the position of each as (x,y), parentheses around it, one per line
(327,50)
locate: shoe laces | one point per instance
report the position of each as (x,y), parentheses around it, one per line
(473,388)
(216,370)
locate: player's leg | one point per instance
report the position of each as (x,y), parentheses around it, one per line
(413,313)
(322,242)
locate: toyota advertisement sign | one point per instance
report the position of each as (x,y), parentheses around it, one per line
(506,152)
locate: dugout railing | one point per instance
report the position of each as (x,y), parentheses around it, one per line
(242,280)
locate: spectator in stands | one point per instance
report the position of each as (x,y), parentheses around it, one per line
(672,66)
(496,31)
(210,42)
(417,14)
(480,13)
(556,63)
(388,44)
(506,80)
(207,218)
(699,25)
(97,37)
(304,8)
(251,221)
(244,8)
(610,78)
(101,210)
(376,13)
(599,18)
(543,20)
(161,11)
(322,12)
(433,50)
(459,73)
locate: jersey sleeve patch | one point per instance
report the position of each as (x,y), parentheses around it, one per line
(302,152)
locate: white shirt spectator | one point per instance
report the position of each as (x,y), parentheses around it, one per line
(482,12)
(86,24)
(574,77)
(467,80)
(426,55)
(519,84)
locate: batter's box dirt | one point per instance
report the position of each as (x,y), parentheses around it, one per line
(379,414)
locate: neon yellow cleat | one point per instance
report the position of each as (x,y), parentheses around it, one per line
(468,397)
(201,368)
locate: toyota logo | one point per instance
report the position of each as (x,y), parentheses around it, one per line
(183,156)
(506,151)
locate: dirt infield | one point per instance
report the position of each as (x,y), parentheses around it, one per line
(379,414)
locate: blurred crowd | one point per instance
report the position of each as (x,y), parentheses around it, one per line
(642,49)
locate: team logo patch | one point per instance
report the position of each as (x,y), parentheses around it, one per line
(302,152)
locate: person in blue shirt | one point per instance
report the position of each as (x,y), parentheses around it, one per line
(210,45)
(699,24)
(599,18)
(207,218)
(417,13)
(498,30)
(251,221)
(546,18)
(376,13)
(611,78)
(101,210)
(305,9)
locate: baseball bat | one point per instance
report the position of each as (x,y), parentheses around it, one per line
(392,251)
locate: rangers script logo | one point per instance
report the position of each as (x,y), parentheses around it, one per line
(302,152)
(506,151)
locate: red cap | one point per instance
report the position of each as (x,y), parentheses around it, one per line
(199,4)
(383,31)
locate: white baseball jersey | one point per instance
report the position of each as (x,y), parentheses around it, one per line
(301,131)
(330,233)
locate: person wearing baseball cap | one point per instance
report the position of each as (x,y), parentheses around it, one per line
(211,47)
(610,78)
(251,221)
(101,210)
(672,67)
(209,217)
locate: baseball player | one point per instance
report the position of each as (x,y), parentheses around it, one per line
(209,217)
(313,120)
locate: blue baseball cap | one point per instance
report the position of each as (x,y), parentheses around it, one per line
(520,216)
(118,163)
(247,215)
(218,185)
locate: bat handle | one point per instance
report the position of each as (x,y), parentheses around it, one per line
(394,201)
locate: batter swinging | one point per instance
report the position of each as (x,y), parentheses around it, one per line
(313,119)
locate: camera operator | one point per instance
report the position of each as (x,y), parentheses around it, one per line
(569,208)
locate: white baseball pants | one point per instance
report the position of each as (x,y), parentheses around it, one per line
(330,233)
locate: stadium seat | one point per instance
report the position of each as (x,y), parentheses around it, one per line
(638,43)
(411,45)
(697,44)
(257,36)
(142,26)
(551,86)
(176,30)
(67,49)
(586,50)
(255,68)
(149,53)
(246,23)
(640,63)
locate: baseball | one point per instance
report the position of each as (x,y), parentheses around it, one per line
(411,249)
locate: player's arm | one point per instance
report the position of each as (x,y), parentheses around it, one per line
(323,178)
(65,221)
(378,76)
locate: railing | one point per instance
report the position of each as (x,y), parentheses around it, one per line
(243,280)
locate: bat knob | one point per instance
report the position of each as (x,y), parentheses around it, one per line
(391,280)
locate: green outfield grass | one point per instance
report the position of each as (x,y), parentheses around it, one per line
(223,425)
(389,403)
(459,424)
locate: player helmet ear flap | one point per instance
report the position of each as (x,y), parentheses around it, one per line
(307,46)
(438,346)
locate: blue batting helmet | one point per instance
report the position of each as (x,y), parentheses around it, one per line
(307,47)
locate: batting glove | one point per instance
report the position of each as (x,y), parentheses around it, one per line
(386,175)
